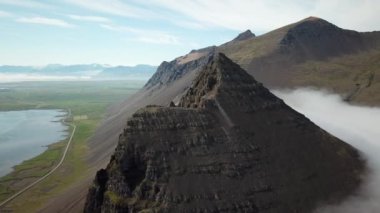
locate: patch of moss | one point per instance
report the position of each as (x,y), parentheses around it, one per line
(113,197)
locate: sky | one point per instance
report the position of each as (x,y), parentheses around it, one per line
(130,32)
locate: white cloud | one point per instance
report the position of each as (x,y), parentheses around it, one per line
(190,24)
(5,14)
(145,36)
(263,16)
(360,15)
(159,39)
(45,21)
(90,18)
(236,15)
(25,3)
(356,125)
(114,7)
(118,28)
(21,77)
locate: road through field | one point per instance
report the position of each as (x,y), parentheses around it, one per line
(2,204)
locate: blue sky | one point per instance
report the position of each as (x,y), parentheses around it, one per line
(133,32)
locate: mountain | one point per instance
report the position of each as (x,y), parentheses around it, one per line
(244,36)
(130,72)
(314,52)
(230,145)
(265,58)
(309,53)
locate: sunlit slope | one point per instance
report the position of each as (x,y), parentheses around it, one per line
(314,52)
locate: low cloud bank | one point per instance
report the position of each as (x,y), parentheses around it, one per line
(356,125)
(8,78)
(24,77)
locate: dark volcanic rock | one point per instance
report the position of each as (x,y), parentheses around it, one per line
(168,72)
(229,146)
(204,50)
(244,36)
(318,39)
(96,193)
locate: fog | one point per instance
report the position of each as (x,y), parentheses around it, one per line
(25,77)
(21,77)
(358,126)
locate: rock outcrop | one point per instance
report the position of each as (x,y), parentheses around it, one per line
(244,36)
(228,146)
(315,38)
(168,72)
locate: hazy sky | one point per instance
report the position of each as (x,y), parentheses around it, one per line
(133,32)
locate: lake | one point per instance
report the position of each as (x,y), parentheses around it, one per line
(25,134)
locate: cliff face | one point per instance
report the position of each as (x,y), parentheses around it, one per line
(229,146)
(168,72)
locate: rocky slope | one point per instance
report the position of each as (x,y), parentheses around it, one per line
(311,52)
(353,73)
(318,39)
(229,146)
(314,52)
(244,36)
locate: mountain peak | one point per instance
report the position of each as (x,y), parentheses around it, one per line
(313,18)
(221,74)
(244,36)
(225,68)
(229,146)
(317,38)
(314,21)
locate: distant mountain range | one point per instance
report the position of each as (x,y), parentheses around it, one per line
(80,71)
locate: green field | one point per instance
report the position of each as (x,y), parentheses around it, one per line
(88,102)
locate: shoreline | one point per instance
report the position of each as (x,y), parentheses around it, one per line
(65,133)
(93,103)
(16,177)
(20,192)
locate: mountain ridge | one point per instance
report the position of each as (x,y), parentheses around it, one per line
(338,74)
(222,149)
(311,52)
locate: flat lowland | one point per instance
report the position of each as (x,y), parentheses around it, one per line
(88,102)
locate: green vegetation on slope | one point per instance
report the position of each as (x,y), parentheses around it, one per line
(315,54)
(243,52)
(356,76)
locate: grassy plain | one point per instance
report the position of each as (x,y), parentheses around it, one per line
(88,100)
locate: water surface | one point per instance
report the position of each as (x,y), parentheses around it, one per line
(25,134)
